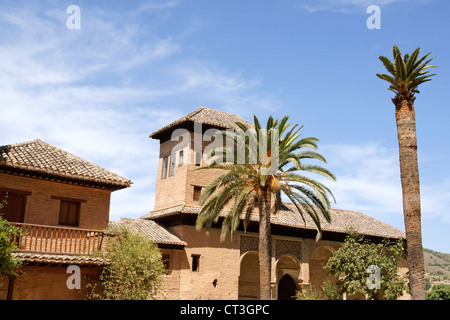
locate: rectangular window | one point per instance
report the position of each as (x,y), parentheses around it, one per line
(195,262)
(14,206)
(180,159)
(198,158)
(164,167)
(166,260)
(69,213)
(173,158)
(197,193)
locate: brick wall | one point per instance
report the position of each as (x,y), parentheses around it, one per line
(179,188)
(226,274)
(217,276)
(50,283)
(171,190)
(41,208)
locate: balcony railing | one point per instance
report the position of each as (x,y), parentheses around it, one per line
(61,240)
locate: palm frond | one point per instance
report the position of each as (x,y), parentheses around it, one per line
(241,185)
(388,64)
(389,79)
(407,72)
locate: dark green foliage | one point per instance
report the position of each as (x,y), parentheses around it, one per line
(351,262)
(135,268)
(406,72)
(439,292)
(331,291)
(8,234)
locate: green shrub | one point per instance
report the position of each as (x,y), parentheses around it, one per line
(134,271)
(331,291)
(309,294)
(8,233)
(350,265)
(439,292)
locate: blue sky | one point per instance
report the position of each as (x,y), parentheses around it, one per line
(134,66)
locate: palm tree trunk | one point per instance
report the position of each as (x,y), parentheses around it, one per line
(409,173)
(265,246)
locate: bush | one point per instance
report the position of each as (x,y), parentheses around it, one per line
(439,292)
(309,294)
(331,291)
(8,233)
(134,270)
(351,261)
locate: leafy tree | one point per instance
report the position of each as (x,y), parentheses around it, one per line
(255,177)
(135,268)
(406,74)
(350,264)
(439,292)
(8,234)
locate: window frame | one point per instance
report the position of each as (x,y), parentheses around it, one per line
(67,222)
(164,167)
(172,164)
(195,262)
(167,261)
(18,194)
(197,191)
(180,158)
(198,158)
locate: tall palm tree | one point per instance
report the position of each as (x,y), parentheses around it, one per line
(406,74)
(273,165)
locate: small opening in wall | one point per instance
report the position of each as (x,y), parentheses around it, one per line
(198,158)
(197,193)
(215,283)
(166,261)
(195,262)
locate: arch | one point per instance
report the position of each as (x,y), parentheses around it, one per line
(287,264)
(287,288)
(249,276)
(318,259)
(287,267)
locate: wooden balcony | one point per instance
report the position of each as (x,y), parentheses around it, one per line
(59,240)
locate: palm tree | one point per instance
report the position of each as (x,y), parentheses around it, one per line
(406,74)
(273,165)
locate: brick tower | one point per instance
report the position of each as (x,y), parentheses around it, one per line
(182,143)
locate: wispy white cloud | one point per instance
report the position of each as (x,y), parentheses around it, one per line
(98,92)
(158,5)
(368,180)
(344,6)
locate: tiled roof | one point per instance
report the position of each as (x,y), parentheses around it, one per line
(44,160)
(341,220)
(155,232)
(205,115)
(60,259)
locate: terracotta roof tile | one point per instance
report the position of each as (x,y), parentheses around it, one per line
(341,220)
(155,232)
(205,115)
(42,158)
(60,259)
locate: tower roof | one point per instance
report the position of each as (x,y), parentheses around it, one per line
(203,115)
